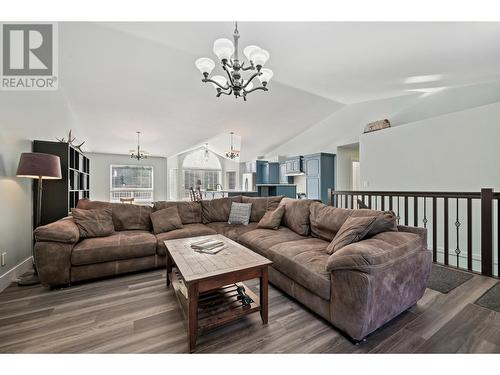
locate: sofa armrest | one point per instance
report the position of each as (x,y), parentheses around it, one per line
(376,253)
(53,262)
(64,231)
(422,232)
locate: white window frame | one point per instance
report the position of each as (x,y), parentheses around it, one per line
(235,179)
(133,190)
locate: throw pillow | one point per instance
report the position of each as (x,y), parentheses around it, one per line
(353,230)
(240,213)
(165,220)
(386,221)
(93,223)
(272,219)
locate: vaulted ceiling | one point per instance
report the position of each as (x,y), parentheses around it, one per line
(116,78)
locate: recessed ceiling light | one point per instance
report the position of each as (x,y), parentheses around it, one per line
(423,79)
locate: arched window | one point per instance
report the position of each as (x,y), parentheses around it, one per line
(200,171)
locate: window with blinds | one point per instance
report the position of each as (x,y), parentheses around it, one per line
(131,181)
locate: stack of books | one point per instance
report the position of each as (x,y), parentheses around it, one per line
(208,246)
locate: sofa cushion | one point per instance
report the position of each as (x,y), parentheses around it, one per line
(230,230)
(217,209)
(240,213)
(120,245)
(64,231)
(188,230)
(353,230)
(87,204)
(260,240)
(296,215)
(304,261)
(386,221)
(189,212)
(373,253)
(272,219)
(261,204)
(93,223)
(125,216)
(131,217)
(166,220)
(327,220)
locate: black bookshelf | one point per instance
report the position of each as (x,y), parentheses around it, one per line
(60,196)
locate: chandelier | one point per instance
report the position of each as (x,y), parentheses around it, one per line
(138,154)
(227,52)
(232,153)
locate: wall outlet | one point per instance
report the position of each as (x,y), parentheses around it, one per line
(3,261)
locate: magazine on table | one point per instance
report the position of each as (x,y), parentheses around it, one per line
(208,246)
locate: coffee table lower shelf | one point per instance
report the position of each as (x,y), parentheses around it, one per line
(215,307)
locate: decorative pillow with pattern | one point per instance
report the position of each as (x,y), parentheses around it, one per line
(240,213)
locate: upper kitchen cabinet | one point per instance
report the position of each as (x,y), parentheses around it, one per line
(294,166)
(320,175)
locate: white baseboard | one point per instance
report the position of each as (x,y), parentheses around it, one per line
(14,273)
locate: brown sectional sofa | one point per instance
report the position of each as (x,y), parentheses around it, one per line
(358,288)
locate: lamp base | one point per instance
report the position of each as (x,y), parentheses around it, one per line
(28,279)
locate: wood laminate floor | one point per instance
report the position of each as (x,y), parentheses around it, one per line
(138,314)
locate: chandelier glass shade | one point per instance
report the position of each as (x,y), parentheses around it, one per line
(138,153)
(228,55)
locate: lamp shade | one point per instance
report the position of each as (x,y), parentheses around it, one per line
(205,65)
(259,57)
(223,48)
(266,75)
(220,80)
(39,165)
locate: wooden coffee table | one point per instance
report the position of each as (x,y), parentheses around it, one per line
(208,286)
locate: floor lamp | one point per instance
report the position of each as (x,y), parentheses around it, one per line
(38,166)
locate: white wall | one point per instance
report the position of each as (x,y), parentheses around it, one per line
(453,152)
(25,116)
(99,174)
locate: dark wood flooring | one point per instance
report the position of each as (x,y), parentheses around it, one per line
(138,314)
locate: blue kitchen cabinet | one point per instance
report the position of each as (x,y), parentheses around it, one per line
(262,172)
(320,175)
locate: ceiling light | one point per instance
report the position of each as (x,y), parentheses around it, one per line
(227,53)
(232,153)
(138,154)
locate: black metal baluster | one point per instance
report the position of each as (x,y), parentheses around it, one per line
(390,202)
(352,201)
(425,213)
(382,202)
(406,209)
(457,250)
(369,201)
(469,234)
(398,217)
(434,229)
(446,234)
(415,211)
